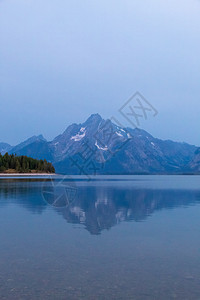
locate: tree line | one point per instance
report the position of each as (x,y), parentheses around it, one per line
(24,164)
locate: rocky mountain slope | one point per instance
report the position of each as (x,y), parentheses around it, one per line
(194,164)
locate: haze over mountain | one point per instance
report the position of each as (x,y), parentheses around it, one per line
(99,146)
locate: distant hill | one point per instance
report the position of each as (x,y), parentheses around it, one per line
(33,139)
(4,147)
(99,146)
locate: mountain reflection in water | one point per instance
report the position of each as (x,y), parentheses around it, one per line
(98,206)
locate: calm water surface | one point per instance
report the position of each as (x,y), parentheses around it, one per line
(127,237)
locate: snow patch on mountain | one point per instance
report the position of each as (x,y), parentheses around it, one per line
(78,137)
(101,148)
(118,133)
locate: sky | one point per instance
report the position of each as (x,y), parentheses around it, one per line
(61,61)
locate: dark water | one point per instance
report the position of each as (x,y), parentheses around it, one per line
(128,237)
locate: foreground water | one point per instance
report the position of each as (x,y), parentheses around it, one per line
(127,237)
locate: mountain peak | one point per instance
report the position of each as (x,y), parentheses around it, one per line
(94,117)
(41,137)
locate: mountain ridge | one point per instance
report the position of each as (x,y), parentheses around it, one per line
(99,146)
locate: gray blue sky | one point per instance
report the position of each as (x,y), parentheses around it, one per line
(61,61)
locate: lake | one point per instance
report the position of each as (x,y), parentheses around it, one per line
(109,237)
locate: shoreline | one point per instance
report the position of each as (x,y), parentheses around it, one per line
(27,174)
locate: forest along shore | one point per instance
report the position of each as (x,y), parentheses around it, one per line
(13,164)
(26,174)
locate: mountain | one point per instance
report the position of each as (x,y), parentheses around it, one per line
(4,147)
(116,150)
(23,145)
(99,146)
